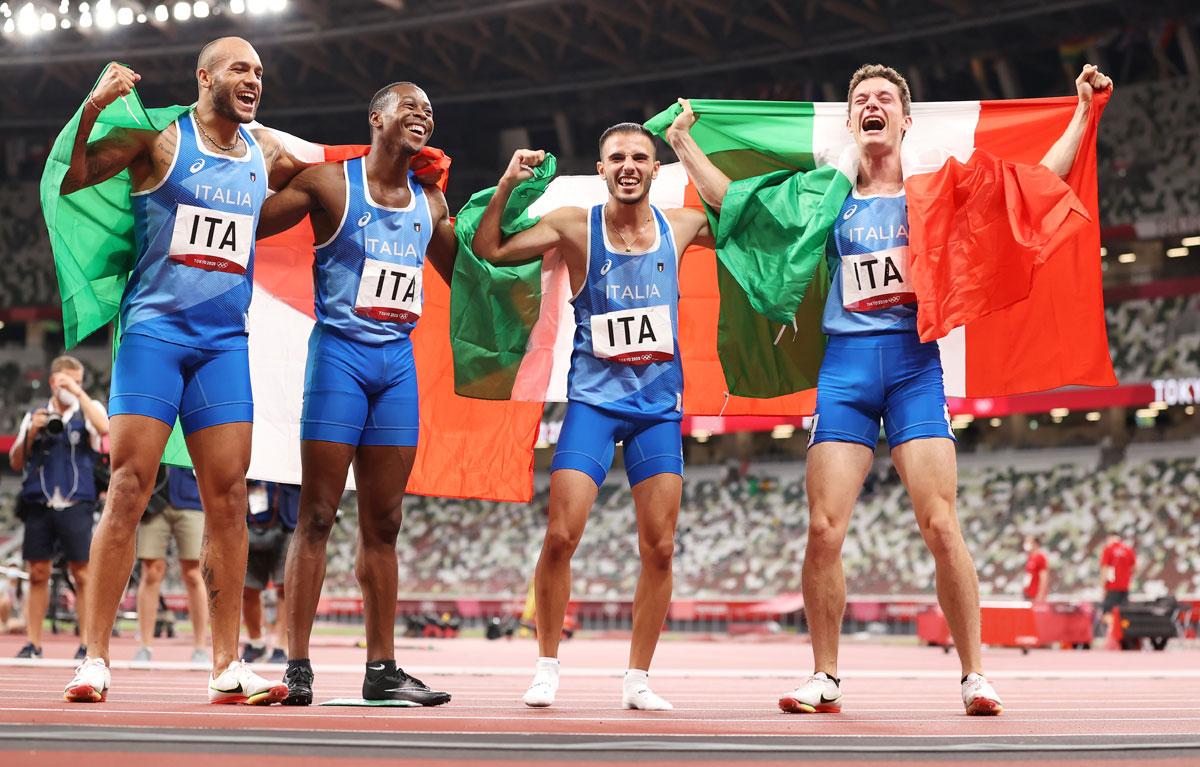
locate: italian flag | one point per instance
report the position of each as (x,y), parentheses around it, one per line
(1004,258)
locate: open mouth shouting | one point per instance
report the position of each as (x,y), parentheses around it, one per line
(628,181)
(417,129)
(246,97)
(873,125)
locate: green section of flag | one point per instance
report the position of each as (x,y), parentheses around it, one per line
(770,239)
(91,232)
(493,308)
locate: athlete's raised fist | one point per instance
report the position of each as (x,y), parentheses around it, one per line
(684,120)
(1090,81)
(521,166)
(117,81)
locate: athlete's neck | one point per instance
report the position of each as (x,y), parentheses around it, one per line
(221,130)
(388,165)
(626,216)
(880,172)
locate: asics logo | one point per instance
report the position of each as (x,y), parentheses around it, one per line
(365,218)
(197,166)
(607,265)
(850,212)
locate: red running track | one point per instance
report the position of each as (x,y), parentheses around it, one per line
(901,704)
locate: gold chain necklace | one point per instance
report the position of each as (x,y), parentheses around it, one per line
(212,141)
(613,228)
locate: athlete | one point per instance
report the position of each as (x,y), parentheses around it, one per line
(198,186)
(625,384)
(875,368)
(374,224)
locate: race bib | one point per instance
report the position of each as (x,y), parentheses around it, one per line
(214,240)
(389,292)
(876,280)
(634,336)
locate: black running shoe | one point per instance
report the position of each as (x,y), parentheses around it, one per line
(390,683)
(30,650)
(277,656)
(299,680)
(250,653)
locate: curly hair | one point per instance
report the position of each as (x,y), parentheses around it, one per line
(867,71)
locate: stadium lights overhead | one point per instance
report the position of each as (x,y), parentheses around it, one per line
(1190,410)
(1127,258)
(783,431)
(1190,242)
(35,17)
(701,435)
(995,422)
(1176,252)
(1059,412)
(1093,416)
(1147,413)
(1103,251)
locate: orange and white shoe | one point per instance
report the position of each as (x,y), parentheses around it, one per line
(238,684)
(90,684)
(819,694)
(979,697)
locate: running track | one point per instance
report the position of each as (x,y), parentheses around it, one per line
(902,705)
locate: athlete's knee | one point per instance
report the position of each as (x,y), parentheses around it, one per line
(942,534)
(129,490)
(316,522)
(560,542)
(825,536)
(382,526)
(39,572)
(658,553)
(225,495)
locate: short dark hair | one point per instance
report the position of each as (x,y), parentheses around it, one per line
(867,71)
(384,96)
(627,127)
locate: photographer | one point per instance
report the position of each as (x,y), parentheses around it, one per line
(57,448)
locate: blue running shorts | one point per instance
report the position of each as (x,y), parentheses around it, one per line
(589,437)
(891,377)
(164,380)
(360,394)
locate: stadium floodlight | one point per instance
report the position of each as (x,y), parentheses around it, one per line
(1059,412)
(200,10)
(1127,258)
(237,6)
(141,18)
(183,11)
(84,8)
(125,16)
(256,6)
(1176,252)
(277,5)
(1093,416)
(5,11)
(65,23)
(161,13)
(9,26)
(27,20)
(1103,251)
(995,422)
(701,435)
(783,431)
(1190,242)
(48,22)
(106,17)
(85,20)
(1146,413)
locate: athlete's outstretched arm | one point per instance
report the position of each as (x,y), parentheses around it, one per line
(443,248)
(282,165)
(290,205)
(489,242)
(103,159)
(710,182)
(1061,156)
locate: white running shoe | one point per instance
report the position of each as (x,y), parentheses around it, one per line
(142,655)
(90,684)
(541,690)
(979,697)
(238,684)
(819,694)
(639,696)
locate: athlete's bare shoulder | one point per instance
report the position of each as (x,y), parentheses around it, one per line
(690,227)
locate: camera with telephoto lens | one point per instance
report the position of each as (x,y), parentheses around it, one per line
(54,424)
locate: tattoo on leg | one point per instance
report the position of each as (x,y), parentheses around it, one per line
(208,581)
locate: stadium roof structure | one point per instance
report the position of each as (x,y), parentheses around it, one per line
(324,58)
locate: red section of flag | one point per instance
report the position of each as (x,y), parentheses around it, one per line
(1056,336)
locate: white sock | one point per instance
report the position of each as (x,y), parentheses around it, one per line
(636,677)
